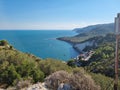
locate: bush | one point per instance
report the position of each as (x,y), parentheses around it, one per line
(71,63)
(54,80)
(106,83)
(9,75)
(37,75)
(75,80)
(50,66)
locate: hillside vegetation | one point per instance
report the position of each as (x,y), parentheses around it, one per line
(102,61)
(16,66)
(97,29)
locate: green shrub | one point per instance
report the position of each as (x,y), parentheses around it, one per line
(106,83)
(49,66)
(15,65)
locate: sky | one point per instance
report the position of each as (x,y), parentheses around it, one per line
(56,14)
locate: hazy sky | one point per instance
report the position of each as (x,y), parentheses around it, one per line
(56,14)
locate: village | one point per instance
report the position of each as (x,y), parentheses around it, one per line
(85,56)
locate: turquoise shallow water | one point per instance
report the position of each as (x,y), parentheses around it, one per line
(41,43)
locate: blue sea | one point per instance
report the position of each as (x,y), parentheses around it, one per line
(41,43)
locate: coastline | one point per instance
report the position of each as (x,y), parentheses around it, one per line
(78,46)
(67,40)
(41,43)
(73,44)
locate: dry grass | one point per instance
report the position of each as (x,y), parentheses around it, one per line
(22,84)
(76,80)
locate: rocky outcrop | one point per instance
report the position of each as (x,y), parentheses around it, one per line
(38,86)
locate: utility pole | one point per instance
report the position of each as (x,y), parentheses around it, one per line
(117,32)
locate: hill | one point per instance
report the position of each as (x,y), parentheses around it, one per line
(97,29)
(89,32)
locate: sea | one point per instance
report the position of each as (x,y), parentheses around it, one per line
(41,43)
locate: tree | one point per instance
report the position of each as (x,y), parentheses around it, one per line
(71,63)
(37,75)
(50,66)
(9,75)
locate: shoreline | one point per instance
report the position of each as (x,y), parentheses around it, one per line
(68,41)
(72,44)
(78,46)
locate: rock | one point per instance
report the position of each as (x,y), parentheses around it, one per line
(38,86)
(63,86)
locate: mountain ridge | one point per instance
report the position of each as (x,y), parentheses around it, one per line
(89,32)
(92,27)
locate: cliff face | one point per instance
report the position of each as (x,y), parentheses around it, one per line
(80,47)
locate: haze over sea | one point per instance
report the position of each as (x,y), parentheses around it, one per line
(41,43)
